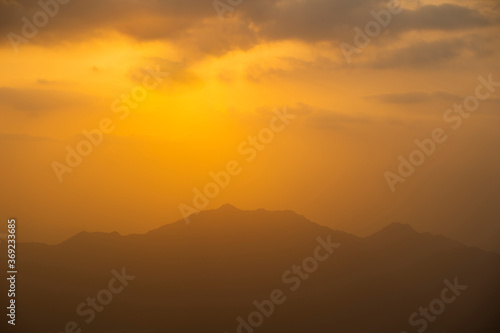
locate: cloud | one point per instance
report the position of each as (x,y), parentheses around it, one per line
(311,116)
(290,67)
(195,23)
(33,101)
(45,82)
(415,97)
(333,120)
(23,137)
(326,119)
(434,54)
(326,20)
(443,17)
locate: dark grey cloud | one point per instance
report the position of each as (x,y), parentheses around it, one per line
(323,20)
(441,17)
(195,23)
(435,54)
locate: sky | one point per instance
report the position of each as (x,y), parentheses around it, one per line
(210,76)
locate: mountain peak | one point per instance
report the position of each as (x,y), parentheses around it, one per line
(397,226)
(396,229)
(227,207)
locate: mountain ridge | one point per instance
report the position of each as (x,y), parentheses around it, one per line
(208,273)
(394,229)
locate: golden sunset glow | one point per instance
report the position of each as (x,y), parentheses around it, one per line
(225,79)
(250,166)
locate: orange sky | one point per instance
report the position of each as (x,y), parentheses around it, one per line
(225,79)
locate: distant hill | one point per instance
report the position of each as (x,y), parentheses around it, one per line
(201,277)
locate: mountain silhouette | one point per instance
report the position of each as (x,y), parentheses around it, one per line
(208,276)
